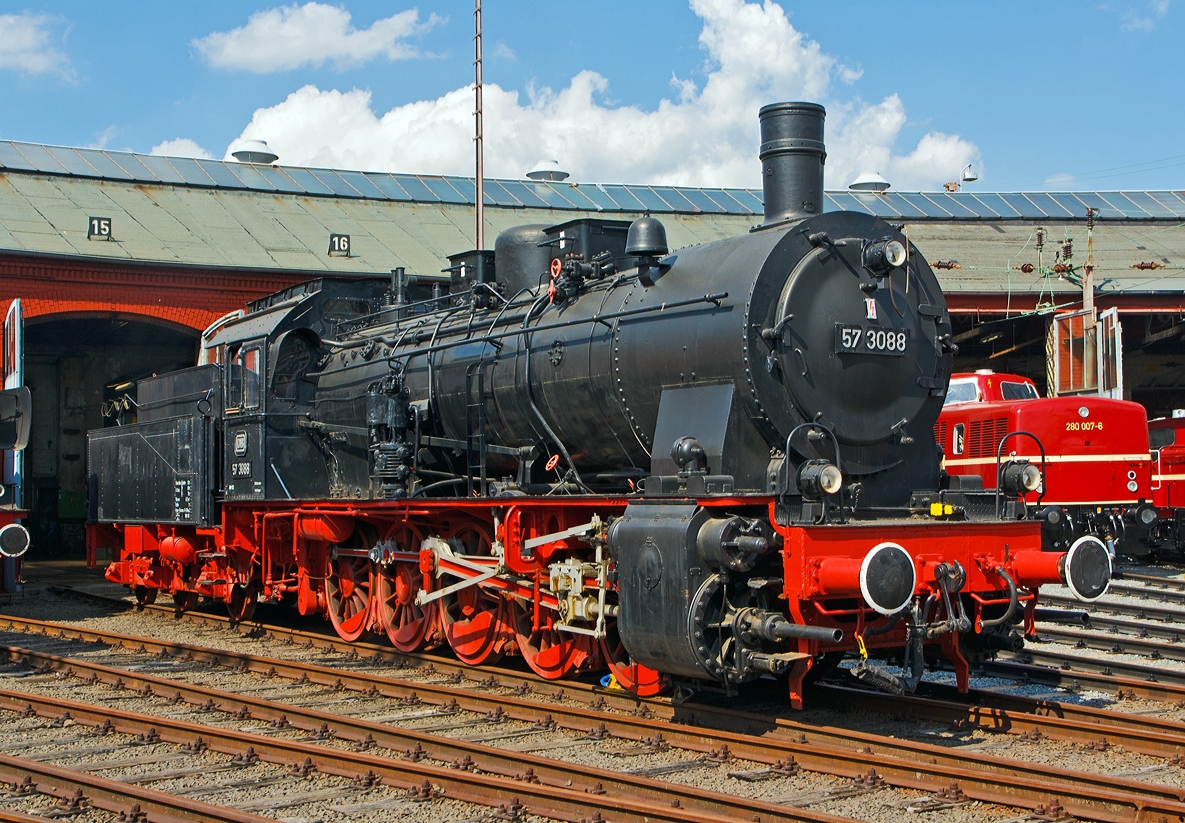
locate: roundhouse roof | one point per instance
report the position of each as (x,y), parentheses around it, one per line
(210,213)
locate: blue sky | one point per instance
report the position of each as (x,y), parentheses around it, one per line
(1038,95)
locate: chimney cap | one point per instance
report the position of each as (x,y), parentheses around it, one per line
(869,181)
(254,151)
(547,170)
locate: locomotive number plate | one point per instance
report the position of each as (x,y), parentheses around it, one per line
(870,340)
(242,469)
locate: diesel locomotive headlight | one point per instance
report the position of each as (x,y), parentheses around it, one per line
(1145,515)
(817,478)
(1020,476)
(883,255)
(1052,518)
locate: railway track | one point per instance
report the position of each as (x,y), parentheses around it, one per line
(1116,642)
(829,751)
(1058,670)
(1151,580)
(1141,629)
(75,791)
(410,743)
(1141,611)
(417,777)
(1034,718)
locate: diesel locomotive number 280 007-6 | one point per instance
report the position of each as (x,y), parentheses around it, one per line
(580,448)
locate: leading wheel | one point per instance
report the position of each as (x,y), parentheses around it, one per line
(241,605)
(633,677)
(473,619)
(409,627)
(550,653)
(347,594)
(184,601)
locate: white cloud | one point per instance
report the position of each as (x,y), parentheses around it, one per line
(504,51)
(1157,10)
(104,137)
(181,147)
(707,136)
(1061,182)
(289,37)
(26,45)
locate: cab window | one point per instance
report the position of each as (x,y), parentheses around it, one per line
(1159,438)
(234,378)
(252,376)
(960,441)
(1018,391)
(244,365)
(961,391)
(293,360)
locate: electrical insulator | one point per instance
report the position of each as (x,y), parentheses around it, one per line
(1067,250)
(1040,239)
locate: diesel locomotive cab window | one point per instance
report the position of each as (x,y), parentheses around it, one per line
(961,391)
(1159,438)
(1018,391)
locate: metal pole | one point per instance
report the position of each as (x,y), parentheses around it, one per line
(1088,268)
(481,234)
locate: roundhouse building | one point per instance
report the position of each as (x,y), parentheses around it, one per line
(119,261)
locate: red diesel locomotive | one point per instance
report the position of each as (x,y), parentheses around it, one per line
(1092,452)
(1166,436)
(709,466)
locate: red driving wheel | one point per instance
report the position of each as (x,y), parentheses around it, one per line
(633,677)
(409,627)
(347,594)
(474,620)
(550,653)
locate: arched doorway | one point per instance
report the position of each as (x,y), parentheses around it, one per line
(81,370)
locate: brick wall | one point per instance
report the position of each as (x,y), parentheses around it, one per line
(187,296)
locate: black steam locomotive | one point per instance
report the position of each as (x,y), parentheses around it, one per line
(588,450)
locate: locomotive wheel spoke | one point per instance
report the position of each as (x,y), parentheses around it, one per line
(550,653)
(347,590)
(241,605)
(409,627)
(474,620)
(185,601)
(633,677)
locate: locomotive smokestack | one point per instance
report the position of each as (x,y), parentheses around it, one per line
(792,157)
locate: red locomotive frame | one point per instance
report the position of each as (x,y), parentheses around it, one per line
(273,552)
